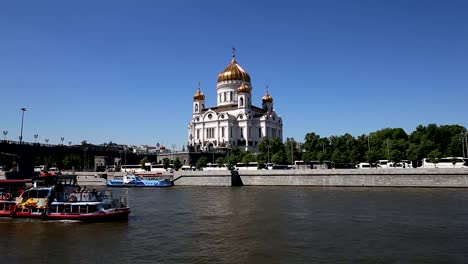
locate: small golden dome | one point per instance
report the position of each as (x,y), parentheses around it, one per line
(267,98)
(234,72)
(244,88)
(199,95)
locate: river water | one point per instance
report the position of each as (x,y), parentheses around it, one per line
(257,225)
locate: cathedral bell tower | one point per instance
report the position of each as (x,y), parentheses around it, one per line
(267,102)
(198,101)
(244,94)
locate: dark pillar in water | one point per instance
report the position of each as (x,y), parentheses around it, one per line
(236,179)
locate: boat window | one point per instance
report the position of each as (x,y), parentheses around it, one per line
(32,194)
(43,194)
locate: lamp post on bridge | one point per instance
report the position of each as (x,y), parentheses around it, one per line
(5,133)
(35,138)
(22,121)
(62,139)
(46,141)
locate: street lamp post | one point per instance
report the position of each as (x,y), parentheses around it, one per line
(5,132)
(466,143)
(368,142)
(46,141)
(387,148)
(292,152)
(173,149)
(268,160)
(62,139)
(22,121)
(35,138)
(463,144)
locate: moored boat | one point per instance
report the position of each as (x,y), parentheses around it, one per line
(132,180)
(64,200)
(9,191)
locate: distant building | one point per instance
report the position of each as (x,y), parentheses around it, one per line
(235,121)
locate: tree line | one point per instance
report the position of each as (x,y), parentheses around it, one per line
(431,141)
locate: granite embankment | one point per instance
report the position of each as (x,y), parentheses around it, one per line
(452,178)
(370,178)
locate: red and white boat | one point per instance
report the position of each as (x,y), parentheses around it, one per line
(10,190)
(65,201)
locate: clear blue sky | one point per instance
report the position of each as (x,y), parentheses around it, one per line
(126,71)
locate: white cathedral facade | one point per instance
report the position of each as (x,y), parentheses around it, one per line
(234,121)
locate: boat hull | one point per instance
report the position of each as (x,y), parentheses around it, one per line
(160,184)
(6,208)
(120,214)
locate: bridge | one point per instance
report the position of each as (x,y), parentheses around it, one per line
(20,158)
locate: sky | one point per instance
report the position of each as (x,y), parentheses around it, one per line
(126,71)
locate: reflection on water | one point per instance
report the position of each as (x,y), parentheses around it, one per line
(257,225)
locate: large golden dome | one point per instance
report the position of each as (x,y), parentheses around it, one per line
(234,72)
(267,98)
(199,95)
(244,88)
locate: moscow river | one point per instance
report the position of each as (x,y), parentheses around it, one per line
(257,225)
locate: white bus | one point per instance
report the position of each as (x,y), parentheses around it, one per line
(363,165)
(214,167)
(131,168)
(158,168)
(388,164)
(247,166)
(448,163)
(301,165)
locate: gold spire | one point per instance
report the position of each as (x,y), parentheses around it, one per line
(234,71)
(244,88)
(199,95)
(267,97)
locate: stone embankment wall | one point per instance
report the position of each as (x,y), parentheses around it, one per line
(99,178)
(374,177)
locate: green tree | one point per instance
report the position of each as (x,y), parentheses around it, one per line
(166,163)
(201,162)
(143,161)
(292,151)
(72,162)
(279,158)
(50,161)
(371,156)
(247,157)
(177,164)
(412,152)
(220,162)
(434,156)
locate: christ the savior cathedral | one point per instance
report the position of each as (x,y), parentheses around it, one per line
(235,121)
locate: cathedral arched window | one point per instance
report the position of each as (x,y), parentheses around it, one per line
(230,96)
(196,107)
(241,101)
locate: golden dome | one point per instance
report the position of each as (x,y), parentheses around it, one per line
(234,72)
(199,95)
(244,88)
(267,98)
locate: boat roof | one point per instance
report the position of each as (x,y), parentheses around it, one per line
(76,203)
(15,181)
